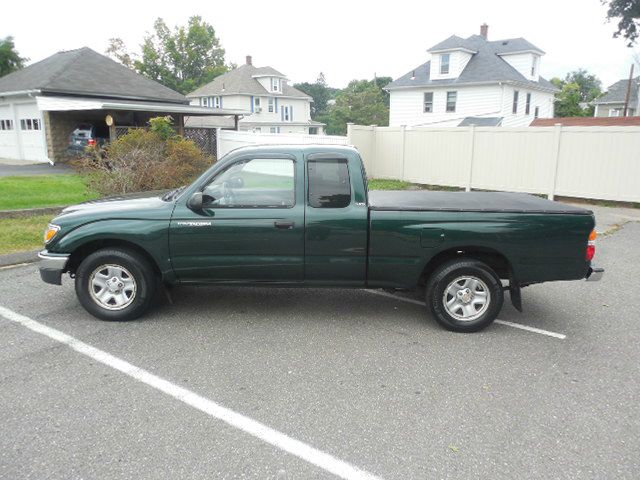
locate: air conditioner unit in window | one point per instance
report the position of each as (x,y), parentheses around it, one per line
(257,109)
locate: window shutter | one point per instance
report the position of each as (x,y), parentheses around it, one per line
(291,113)
(282,114)
(276,104)
(251,103)
(220,102)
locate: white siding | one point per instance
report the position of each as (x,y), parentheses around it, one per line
(457,61)
(406,105)
(522,63)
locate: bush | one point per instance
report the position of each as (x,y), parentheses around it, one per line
(153,159)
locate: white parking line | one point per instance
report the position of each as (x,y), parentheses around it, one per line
(548,333)
(279,440)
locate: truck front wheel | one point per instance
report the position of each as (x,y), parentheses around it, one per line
(115,284)
(464,295)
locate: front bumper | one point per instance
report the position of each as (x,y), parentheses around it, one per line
(594,274)
(52,266)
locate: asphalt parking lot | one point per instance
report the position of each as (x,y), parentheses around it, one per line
(361,383)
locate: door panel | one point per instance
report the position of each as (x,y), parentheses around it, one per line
(336,224)
(238,238)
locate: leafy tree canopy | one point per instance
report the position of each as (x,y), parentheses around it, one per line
(10,59)
(576,90)
(363,102)
(183,59)
(627,13)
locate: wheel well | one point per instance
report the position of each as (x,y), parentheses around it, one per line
(492,258)
(88,248)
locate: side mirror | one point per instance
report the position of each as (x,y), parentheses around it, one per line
(195,203)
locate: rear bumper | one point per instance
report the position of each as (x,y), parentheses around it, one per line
(52,266)
(594,274)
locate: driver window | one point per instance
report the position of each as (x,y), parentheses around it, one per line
(254,183)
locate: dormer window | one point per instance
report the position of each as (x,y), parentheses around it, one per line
(275,85)
(444,63)
(534,65)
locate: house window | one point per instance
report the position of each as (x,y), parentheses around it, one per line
(275,85)
(204,101)
(536,112)
(257,129)
(273,129)
(428,102)
(534,65)
(6,124)
(451,101)
(215,102)
(270,104)
(516,94)
(527,106)
(287,113)
(444,63)
(615,112)
(256,104)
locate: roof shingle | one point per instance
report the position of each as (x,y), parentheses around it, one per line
(485,65)
(87,73)
(240,81)
(617,92)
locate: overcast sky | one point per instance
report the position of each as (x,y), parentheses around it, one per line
(344,39)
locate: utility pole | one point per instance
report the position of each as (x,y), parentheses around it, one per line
(626,98)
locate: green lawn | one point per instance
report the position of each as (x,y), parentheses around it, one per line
(382,184)
(20,234)
(43,191)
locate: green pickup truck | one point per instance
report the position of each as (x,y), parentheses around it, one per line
(302,216)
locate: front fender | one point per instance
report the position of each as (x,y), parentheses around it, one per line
(152,236)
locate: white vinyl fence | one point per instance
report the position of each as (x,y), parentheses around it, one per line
(230,139)
(586,162)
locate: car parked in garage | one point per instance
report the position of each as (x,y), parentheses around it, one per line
(86,135)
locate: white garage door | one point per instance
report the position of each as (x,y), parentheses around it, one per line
(8,134)
(30,128)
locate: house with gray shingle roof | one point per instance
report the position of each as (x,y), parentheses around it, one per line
(473,81)
(274,105)
(41,104)
(611,104)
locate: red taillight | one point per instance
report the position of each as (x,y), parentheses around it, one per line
(91,142)
(591,246)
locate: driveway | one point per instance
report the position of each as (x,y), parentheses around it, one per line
(297,384)
(9,170)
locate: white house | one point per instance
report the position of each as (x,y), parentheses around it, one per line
(275,106)
(473,81)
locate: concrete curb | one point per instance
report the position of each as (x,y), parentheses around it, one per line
(30,212)
(19,257)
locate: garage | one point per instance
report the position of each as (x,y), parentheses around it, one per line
(42,104)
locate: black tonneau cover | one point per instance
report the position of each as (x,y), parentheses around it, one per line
(468,202)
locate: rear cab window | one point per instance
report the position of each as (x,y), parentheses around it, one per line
(329,183)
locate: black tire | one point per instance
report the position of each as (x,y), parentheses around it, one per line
(132,264)
(445,275)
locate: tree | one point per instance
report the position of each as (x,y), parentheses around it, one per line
(10,59)
(183,59)
(362,102)
(577,89)
(319,92)
(627,12)
(118,51)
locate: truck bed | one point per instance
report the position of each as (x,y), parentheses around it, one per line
(425,200)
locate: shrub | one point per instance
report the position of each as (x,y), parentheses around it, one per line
(153,159)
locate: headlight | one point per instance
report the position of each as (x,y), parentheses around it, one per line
(50,232)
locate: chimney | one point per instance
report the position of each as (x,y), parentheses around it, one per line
(484,31)
(249,60)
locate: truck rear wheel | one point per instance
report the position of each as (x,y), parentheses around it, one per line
(115,284)
(464,295)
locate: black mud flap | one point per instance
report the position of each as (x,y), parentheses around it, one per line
(516,297)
